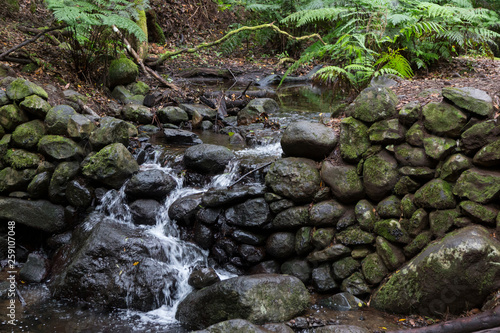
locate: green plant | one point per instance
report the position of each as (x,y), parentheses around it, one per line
(91,40)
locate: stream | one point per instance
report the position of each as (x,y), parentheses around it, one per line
(44,314)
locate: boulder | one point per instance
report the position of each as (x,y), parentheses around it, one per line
(480,135)
(257,298)
(222,196)
(354,236)
(343,268)
(294,178)
(39,186)
(138,113)
(309,140)
(453,167)
(153,183)
(37,214)
(373,268)
(489,155)
(122,72)
(374,104)
(172,115)
(255,108)
(415,135)
(281,245)
(36,268)
(79,194)
(138,88)
(470,99)
(205,112)
(380,174)
(184,209)
(11,116)
(326,213)
(58,147)
(208,158)
(21,159)
(36,106)
(112,165)
(450,276)
(294,217)
(391,255)
(57,119)
(355,285)
(333,252)
(439,148)
(344,181)
(436,194)
(80,127)
(410,113)
(412,156)
(442,220)
(63,173)
(96,269)
(389,207)
(322,279)
(144,211)
(354,140)
(444,119)
(478,185)
(15,180)
(28,134)
(251,213)
(20,88)
(392,230)
(387,132)
(112,130)
(202,277)
(181,137)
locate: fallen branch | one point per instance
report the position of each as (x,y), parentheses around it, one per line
(147,71)
(170,54)
(481,321)
(250,172)
(41,33)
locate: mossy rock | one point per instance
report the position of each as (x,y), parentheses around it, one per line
(112,130)
(4,100)
(453,167)
(438,148)
(21,88)
(307,139)
(137,113)
(80,127)
(39,186)
(63,173)
(406,185)
(449,276)
(294,217)
(322,279)
(354,236)
(344,267)
(386,132)
(412,156)
(355,285)
(418,173)
(478,185)
(410,113)
(489,155)
(332,252)
(58,147)
(479,213)
(172,115)
(252,111)
(389,207)
(326,213)
(391,255)
(5,143)
(122,72)
(436,194)
(11,117)
(112,165)
(408,205)
(138,88)
(57,119)
(354,140)
(470,99)
(299,268)
(442,220)
(380,174)
(322,237)
(418,222)
(121,94)
(36,106)
(344,181)
(479,135)
(417,244)
(393,231)
(15,180)
(444,119)
(415,135)
(303,244)
(21,159)
(28,134)
(374,104)
(366,215)
(373,268)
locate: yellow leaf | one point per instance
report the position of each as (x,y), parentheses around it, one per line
(383,328)
(136,263)
(120,273)
(402,319)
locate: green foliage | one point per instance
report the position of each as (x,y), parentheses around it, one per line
(92,41)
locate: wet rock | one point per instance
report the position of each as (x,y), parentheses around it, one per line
(36,106)
(393,231)
(479,213)
(342,302)
(204,111)
(332,252)
(172,115)
(80,127)
(203,235)
(181,137)
(112,165)
(27,135)
(354,236)
(294,217)
(443,119)
(374,104)
(478,185)
(294,178)
(222,197)
(366,215)
(112,130)
(418,222)
(309,140)
(386,132)
(37,214)
(417,173)
(79,194)
(347,220)
(436,194)
(380,174)
(251,254)
(322,237)
(303,241)
(57,119)
(248,237)
(122,72)
(15,180)
(442,220)
(326,213)
(202,277)
(408,206)
(257,298)
(137,113)
(58,147)
(35,269)
(417,244)
(255,108)
(144,211)
(391,255)
(344,181)
(266,267)
(251,213)
(152,183)
(411,156)
(233,325)
(184,209)
(20,88)
(453,167)
(299,268)
(343,268)
(410,113)
(489,155)
(355,285)
(207,158)
(373,268)
(470,99)
(39,186)
(281,245)
(208,215)
(95,261)
(63,173)
(11,116)
(442,284)
(389,207)
(322,279)
(279,206)
(354,141)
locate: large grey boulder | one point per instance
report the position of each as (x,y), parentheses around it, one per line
(374,104)
(309,140)
(38,214)
(208,158)
(112,165)
(294,178)
(257,298)
(172,114)
(251,213)
(470,99)
(204,111)
(450,276)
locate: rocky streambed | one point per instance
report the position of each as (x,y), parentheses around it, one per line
(396,209)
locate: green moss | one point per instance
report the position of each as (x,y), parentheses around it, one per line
(21,159)
(28,134)
(354,236)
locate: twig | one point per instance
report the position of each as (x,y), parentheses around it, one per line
(250,172)
(244,91)
(2,56)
